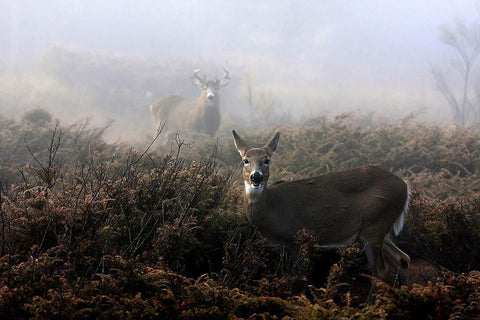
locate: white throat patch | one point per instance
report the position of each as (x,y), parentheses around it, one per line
(253,193)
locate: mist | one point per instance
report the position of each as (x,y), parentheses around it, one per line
(109,60)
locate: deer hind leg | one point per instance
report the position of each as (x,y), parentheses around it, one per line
(394,253)
(375,256)
(399,258)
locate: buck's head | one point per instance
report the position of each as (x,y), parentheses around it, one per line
(210,88)
(256,163)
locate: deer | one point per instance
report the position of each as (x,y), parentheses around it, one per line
(365,203)
(182,115)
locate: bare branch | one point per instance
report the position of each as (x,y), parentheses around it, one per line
(466,43)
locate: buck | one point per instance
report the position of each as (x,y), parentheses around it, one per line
(337,208)
(201,115)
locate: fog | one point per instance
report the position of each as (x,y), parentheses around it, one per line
(109,60)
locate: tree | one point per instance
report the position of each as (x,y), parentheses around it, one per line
(465,104)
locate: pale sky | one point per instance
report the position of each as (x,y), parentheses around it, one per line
(310,31)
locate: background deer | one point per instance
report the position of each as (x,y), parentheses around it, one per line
(181,115)
(338,208)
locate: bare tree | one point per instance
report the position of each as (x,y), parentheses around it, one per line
(465,41)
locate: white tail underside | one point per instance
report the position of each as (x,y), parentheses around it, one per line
(398,225)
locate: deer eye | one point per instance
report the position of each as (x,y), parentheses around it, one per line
(246,161)
(266,161)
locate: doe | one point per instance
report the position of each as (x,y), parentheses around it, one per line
(337,208)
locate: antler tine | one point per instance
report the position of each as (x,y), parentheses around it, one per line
(226,73)
(195,74)
(225,76)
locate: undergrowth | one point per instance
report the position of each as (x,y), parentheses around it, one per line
(91,230)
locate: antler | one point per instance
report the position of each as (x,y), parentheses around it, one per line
(225,79)
(195,74)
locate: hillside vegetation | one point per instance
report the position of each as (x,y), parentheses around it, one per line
(91,230)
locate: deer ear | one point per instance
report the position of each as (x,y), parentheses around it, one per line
(240,144)
(272,145)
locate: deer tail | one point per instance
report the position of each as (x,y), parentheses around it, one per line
(400,222)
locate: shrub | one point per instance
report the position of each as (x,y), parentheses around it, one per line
(447,233)
(96,230)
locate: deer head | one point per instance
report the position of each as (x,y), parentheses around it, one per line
(210,87)
(256,162)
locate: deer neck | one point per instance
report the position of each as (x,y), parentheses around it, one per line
(209,108)
(206,117)
(255,202)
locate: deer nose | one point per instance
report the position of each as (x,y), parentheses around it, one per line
(210,96)
(256,178)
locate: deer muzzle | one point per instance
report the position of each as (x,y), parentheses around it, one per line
(256,178)
(210,96)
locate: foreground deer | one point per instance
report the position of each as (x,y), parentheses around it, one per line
(181,115)
(363,203)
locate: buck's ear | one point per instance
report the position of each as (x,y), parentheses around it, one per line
(240,144)
(272,145)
